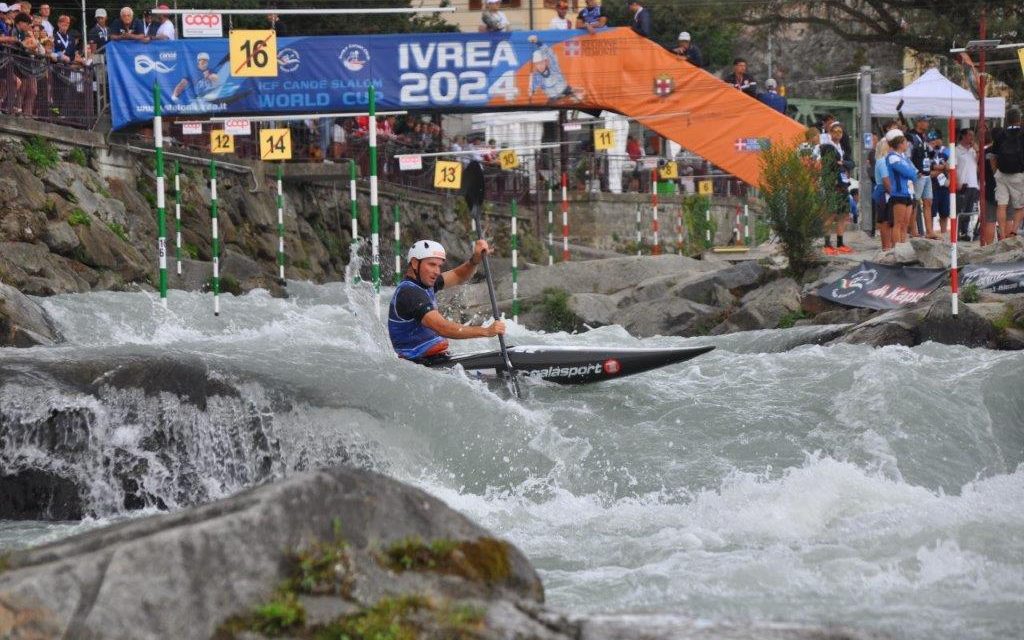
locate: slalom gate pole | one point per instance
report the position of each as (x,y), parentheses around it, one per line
(954,222)
(280,223)
(707,228)
(551,223)
(177,214)
(639,233)
(746,225)
(215,238)
(354,205)
(565,216)
(396,216)
(679,230)
(736,227)
(515,262)
(656,247)
(374,208)
(161,213)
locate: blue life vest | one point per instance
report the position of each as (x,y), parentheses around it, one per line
(410,339)
(902,174)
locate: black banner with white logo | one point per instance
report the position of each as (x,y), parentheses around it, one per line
(881,286)
(998,277)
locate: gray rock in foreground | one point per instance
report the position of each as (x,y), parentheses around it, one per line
(184,575)
(23,323)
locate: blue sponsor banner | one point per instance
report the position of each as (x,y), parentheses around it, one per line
(331,74)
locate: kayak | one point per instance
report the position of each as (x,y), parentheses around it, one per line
(573,365)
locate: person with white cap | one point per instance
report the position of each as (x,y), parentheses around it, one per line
(881,202)
(202,79)
(7,13)
(687,50)
(546,75)
(417,329)
(129,27)
(772,98)
(492,19)
(99,35)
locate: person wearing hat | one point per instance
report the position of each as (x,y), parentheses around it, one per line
(772,98)
(165,31)
(202,80)
(561,22)
(640,18)
(835,180)
(882,203)
(940,183)
(591,17)
(99,35)
(128,27)
(687,50)
(418,331)
(492,19)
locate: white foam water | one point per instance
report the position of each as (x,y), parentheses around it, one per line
(882,489)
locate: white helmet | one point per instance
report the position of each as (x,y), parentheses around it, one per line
(426,249)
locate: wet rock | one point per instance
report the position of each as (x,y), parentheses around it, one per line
(34,494)
(23,323)
(668,317)
(898,327)
(968,328)
(594,309)
(763,308)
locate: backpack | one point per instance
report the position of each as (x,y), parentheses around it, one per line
(1010,151)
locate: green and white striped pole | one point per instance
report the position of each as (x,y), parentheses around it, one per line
(354,205)
(639,233)
(551,222)
(280,223)
(161,213)
(215,238)
(177,214)
(374,208)
(679,230)
(746,225)
(515,262)
(396,215)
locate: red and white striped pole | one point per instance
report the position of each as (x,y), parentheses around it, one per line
(565,217)
(954,221)
(656,247)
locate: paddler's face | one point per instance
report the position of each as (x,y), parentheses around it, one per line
(430,270)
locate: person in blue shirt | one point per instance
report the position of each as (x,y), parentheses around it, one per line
(128,27)
(902,175)
(772,98)
(940,182)
(881,202)
(591,17)
(417,329)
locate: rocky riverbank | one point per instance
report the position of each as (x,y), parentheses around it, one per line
(339,553)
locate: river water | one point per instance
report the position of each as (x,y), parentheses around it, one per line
(881,489)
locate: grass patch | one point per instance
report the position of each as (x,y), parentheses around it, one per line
(1008,320)
(5,562)
(77,156)
(227,284)
(118,230)
(970,293)
(79,217)
(483,560)
(41,153)
(556,313)
(301,264)
(789,320)
(323,568)
(407,617)
(191,250)
(279,615)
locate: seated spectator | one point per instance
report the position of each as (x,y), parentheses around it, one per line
(688,51)
(772,98)
(128,27)
(492,19)
(740,79)
(165,29)
(561,22)
(591,17)
(640,18)
(99,35)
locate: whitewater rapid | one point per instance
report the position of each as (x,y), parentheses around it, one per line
(882,489)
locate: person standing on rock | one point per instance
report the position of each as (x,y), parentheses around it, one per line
(417,329)
(902,177)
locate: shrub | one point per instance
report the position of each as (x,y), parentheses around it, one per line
(77,156)
(79,217)
(191,250)
(118,230)
(556,313)
(794,203)
(970,293)
(41,153)
(695,209)
(789,320)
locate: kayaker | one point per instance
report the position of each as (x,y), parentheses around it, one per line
(417,329)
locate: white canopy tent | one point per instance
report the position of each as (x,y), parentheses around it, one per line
(934,95)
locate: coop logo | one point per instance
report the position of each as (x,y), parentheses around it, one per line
(144,64)
(570,372)
(855,284)
(202,20)
(611,366)
(169,56)
(287,60)
(354,57)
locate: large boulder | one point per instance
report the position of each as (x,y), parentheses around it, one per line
(23,323)
(33,270)
(146,578)
(1009,250)
(763,308)
(594,309)
(668,316)
(101,248)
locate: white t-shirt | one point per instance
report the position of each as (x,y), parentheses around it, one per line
(166,31)
(966,167)
(339,133)
(560,24)
(495,21)
(48,28)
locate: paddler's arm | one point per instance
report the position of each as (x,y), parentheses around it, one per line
(447,329)
(462,273)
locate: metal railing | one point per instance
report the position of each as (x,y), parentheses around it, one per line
(37,87)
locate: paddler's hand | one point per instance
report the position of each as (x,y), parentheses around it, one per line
(479,249)
(495,329)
